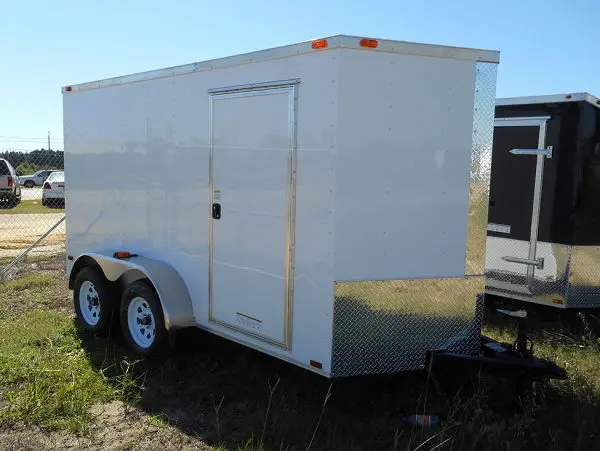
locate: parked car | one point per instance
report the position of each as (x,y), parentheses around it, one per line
(37,179)
(10,189)
(53,193)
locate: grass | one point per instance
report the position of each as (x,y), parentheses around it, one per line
(55,259)
(212,393)
(30,206)
(38,285)
(47,378)
(28,282)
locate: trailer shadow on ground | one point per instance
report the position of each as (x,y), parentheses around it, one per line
(228,395)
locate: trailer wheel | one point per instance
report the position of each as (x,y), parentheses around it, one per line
(93,301)
(142,320)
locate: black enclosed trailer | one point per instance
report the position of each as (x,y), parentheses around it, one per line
(543,242)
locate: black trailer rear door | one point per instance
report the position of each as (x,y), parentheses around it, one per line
(515,195)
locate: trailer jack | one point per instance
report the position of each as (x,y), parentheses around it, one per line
(505,359)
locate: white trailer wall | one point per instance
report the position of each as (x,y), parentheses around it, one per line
(137,169)
(412,179)
(404,153)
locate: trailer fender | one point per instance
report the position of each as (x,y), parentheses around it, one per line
(170,287)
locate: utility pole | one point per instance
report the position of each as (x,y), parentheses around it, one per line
(48,139)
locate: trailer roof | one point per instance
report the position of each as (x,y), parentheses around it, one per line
(553,98)
(339,41)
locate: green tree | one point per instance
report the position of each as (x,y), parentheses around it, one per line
(27,168)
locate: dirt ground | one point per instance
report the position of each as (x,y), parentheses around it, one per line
(19,231)
(116,427)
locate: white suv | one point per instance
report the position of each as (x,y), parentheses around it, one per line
(10,188)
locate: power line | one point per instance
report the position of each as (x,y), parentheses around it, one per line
(26,139)
(29,140)
(10,141)
(14,140)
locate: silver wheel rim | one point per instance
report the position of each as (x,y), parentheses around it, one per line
(140,320)
(89,303)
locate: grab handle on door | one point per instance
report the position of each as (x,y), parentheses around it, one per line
(539,263)
(216,211)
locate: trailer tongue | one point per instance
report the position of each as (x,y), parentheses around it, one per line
(515,360)
(502,358)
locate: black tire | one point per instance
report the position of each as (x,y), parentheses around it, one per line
(105,298)
(160,341)
(44,203)
(11,202)
(29,184)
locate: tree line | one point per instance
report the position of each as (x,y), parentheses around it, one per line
(28,162)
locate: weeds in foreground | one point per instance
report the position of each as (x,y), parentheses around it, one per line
(217,408)
(50,381)
(127,385)
(271,393)
(49,378)
(327,396)
(46,377)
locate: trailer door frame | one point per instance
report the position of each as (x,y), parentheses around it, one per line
(541,154)
(233,315)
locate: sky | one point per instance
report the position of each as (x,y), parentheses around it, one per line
(547,47)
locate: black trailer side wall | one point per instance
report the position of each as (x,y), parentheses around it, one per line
(586,191)
(570,204)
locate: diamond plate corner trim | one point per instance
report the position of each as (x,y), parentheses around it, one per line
(481,163)
(584,277)
(388,326)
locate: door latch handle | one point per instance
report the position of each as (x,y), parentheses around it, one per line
(216,211)
(538,263)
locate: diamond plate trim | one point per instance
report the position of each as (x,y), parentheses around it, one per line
(584,277)
(510,279)
(571,274)
(500,272)
(481,163)
(387,326)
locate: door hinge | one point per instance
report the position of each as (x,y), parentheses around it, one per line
(538,263)
(547,152)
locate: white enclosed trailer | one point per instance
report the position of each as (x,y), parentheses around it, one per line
(323,202)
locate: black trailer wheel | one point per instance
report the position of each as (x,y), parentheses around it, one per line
(94,302)
(142,320)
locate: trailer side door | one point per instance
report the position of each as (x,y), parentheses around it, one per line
(252,189)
